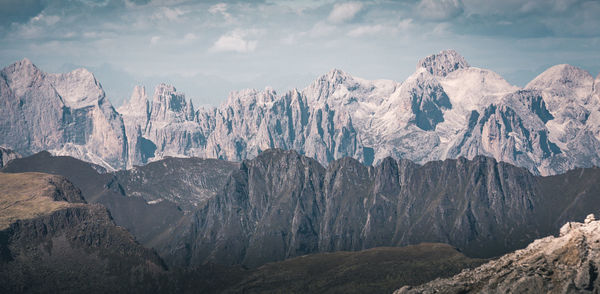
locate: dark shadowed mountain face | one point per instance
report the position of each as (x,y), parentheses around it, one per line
(281,204)
(51,241)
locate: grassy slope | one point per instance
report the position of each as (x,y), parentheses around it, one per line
(26,196)
(377,270)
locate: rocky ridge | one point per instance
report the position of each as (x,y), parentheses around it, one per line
(52,241)
(446,109)
(282,204)
(564,264)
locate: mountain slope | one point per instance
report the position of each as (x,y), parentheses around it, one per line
(52,241)
(564,264)
(282,205)
(377,270)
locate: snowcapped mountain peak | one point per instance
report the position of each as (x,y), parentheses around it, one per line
(562,76)
(443,63)
(327,84)
(335,75)
(563,85)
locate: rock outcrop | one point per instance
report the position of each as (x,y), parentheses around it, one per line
(565,264)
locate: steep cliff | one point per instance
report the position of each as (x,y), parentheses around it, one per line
(445,109)
(65,113)
(52,241)
(282,204)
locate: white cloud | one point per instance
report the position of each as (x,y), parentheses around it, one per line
(168,14)
(440,10)
(154,40)
(235,41)
(365,30)
(190,37)
(321,29)
(46,19)
(41,25)
(405,24)
(221,8)
(390,28)
(344,12)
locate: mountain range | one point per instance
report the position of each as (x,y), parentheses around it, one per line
(446,109)
(281,204)
(52,241)
(348,185)
(226,227)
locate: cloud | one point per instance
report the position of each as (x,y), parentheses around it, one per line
(44,19)
(378,29)
(190,37)
(154,40)
(221,8)
(344,12)
(39,27)
(440,10)
(365,30)
(168,14)
(321,29)
(19,11)
(235,41)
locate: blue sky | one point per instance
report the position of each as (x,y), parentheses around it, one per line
(209,48)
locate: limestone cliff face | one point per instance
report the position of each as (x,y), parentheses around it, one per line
(564,264)
(446,109)
(66,113)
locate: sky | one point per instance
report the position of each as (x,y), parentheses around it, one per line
(208,48)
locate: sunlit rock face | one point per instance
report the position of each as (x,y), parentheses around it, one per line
(565,264)
(66,113)
(446,109)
